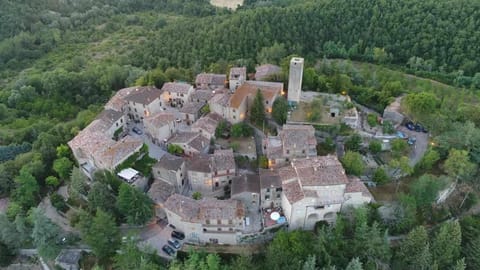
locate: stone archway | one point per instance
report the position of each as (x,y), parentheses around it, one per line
(329,215)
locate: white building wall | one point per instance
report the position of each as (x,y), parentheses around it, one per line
(295,80)
(119,123)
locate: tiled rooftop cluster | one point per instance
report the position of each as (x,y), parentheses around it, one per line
(298,135)
(212,79)
(250,88)
(176,87)
(206,209)
(220,160)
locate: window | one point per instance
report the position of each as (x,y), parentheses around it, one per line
(230,222)
(268,189)
(219,229)
(135,109)
(234,117)
(216,184)
(121,120)
(303,151)
(278,195)
(288,151)
(219,221)
(216,173)
(278,189)
(204,230)
(228,171)
(267,197)
(181,95)
(230,229)
(233,110)
(266,101)
(207,221)
(116,124)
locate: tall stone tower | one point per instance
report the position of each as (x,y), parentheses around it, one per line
(295,80)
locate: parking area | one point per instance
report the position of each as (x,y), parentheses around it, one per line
(156,236)
(420,146)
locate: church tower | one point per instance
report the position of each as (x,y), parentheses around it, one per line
(295,80)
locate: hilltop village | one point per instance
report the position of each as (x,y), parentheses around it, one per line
(197,182)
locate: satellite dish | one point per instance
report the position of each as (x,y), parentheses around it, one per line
(274,216)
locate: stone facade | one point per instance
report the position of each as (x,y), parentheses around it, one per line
(295,80)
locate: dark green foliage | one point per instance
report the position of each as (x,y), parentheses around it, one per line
(372,120)
(45,235)
(134,205)
(471,241)
(6,255)
(387,127)
(100,233)
(222,128)
(428,160)
(58,202)
(380,176)
(11,151)
(415,250)
(63,167)
(375,146)
(241,130)
(326,147)
(425,189)
(26,192)
(257,111)
(353,143)
(132,257)
(280,110)
(263,162)
(101,197)
(289,250)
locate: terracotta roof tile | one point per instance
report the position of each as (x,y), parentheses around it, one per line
(268,89)
(159,119)
(269,178)
(209,78)
(356,185)
(177,87)
(144,95)
(160,191)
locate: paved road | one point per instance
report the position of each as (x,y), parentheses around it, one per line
(420,146)
(156,236)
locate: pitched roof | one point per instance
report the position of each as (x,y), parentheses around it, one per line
(109,116)
(209,78)
(223,160)
(274,148)
(169,162)
(268,89)
(200,163)
(245,183)
(355,185)
(160,191)
(69,256)
(176,87)
(198,211)
(201,96)
(192,107)
(199,143)
(182,137)
(267,70)
(118,100)
(221,98)
(160,119)
(269,178)
(207,123)
(298,135)
(144,95)
(293,190)
(114,153)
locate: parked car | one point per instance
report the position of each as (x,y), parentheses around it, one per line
(420,128)
(410,125)
(401,135)
(412,140)
(167,249)
(178,235)
(137,130)
(174,243)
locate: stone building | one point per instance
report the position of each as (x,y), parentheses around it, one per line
(295,80)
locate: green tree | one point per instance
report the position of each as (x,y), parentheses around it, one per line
(280,110)
(380,176)
(387,127)
(289,250)
(272,54)
(401,165)
(354,264)
(353,163)
(263,162)
(101,197)
(63,151)
(78,184)
(222,127)
(399,147)
(6,255)
(371,245)
(45,234)
(8,233)
(458,165)
(375,146)
(471,241)
(372,120)
(420,104)
(428,160)
(197,195)
(26,193)
(175,149)
(415,251)
(63,167)
(353,143)
(446,245)
(257,111)
(134,205)
(241,130)
(425,189)
(131,257)
(405,213)
(52,182)
(101,234)
(460,265)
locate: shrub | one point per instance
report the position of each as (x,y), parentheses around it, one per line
(372,120)
(58,202)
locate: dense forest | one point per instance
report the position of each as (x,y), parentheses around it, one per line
(61,60)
